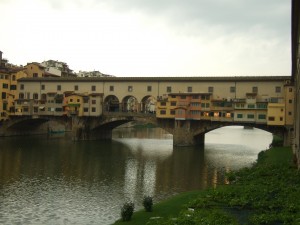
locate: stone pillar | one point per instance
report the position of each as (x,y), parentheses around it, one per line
(199,139)
(80,129)
(288,135)
(184,136)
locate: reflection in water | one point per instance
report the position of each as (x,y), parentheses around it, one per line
(57,181)
(130,179)
(149,178)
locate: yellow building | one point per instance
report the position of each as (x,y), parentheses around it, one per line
(73,104)
(289,104)
(276,114)
(76,104)
(35,69)
(4,90)
(8,90)
(184,106)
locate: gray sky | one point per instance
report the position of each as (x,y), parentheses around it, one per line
(151,38)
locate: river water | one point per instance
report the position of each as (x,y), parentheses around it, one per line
(52,180)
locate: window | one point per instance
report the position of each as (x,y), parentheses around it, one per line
(149,88)
(195,97)
(35,75)
(290,101)
(172,112)
(271,118)
(85,100)
(281,118)
(85,109)
(207,105)
(13,77)
(43,87)
(163,112)
(262,105)
(93,88)
(190,89)
(163,104)
(173,103)
(93,101)
(290,113)
(183,97)
(3,95)
(13,87)
(78,100)
(22,87)
(232,89)
(59,87)
(5,86)
(203,105)
(251,106)
(76,88)
(210,89)
(35,96)
(261,116)
(21,96)
(43,97)
(290,89)
(111,88)
(250,116)
(130,89)
(277,89)
(169,89)
(240,116)
(93,109)
(254,89)
(35,109)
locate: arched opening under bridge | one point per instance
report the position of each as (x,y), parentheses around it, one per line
(239,135)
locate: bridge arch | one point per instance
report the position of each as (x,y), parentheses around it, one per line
(147,104)
(207,127)
(111,103)
(130,104)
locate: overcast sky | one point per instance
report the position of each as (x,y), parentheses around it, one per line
(151,37)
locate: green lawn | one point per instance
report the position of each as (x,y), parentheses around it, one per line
(167,208)
(267,193)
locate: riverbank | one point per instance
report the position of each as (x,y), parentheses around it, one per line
(266,193)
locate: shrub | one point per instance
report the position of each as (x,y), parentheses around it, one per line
(148,203)
(127,211)
(277,141)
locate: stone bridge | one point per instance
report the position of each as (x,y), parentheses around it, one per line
(185,132)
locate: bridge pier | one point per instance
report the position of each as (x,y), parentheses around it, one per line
(81,130)
(288,135)
(184,136)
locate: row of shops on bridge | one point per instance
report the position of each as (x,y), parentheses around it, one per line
(177,106)
(78,104)
(276,111)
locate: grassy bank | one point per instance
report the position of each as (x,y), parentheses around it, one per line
(267,193)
